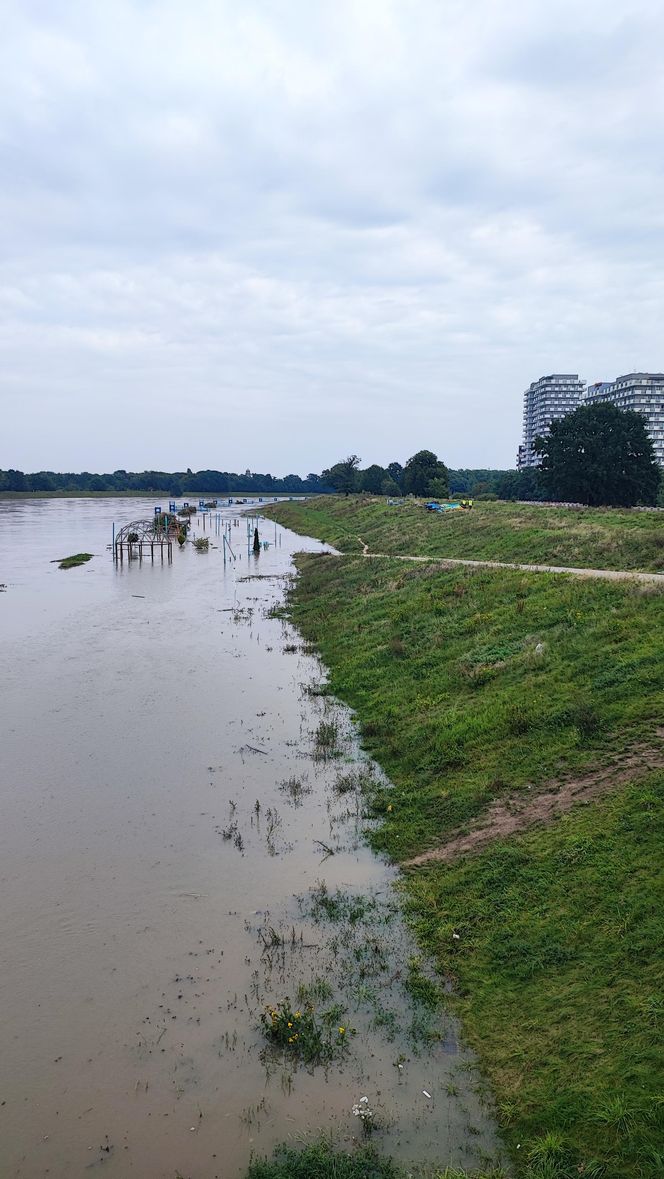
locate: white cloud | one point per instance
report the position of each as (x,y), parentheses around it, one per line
(362,226)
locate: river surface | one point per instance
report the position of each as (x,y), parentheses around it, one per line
(171,832)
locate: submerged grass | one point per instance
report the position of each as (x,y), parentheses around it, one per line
(295,789)
(73,561)
(306,1034)
(603,538)
(326,741)
(320,1160)
(344,907)
(502,681)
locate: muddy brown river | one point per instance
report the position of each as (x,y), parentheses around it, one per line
(173,835)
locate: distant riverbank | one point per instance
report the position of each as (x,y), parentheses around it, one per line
(221,497)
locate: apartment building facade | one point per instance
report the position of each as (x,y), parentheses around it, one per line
(642,392)
(545,401)
(554,396)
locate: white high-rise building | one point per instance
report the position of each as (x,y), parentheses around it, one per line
(544,402)
(643,392)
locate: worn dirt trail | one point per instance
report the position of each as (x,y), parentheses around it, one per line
(522,810)
(606,574)
(526,808)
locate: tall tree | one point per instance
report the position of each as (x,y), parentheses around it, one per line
(372,479)
(526,484)
(599,455)
(425,474)
(389,487)
(342,476)
(395,471)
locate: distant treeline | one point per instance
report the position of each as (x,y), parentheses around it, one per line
(425,474)
(175,483)
(374,479)
(501,484)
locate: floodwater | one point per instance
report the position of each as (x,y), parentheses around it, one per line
(163,807)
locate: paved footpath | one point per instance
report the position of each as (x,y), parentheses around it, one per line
(605,574)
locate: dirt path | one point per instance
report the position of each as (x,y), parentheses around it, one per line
(525,808)
(606,574)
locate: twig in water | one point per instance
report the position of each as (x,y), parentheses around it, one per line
(329,851)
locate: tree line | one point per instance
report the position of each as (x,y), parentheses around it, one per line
(174,483)
(426,475)
(423,474)
(394,479)
(596,455)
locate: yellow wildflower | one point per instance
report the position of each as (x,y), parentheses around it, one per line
(342,1031)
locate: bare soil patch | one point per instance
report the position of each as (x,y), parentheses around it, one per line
(525,808)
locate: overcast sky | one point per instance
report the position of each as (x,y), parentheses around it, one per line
(266,233)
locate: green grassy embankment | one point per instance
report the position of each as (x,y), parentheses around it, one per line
(602,538)
(472,684)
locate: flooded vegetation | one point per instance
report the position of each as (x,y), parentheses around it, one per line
(73,561)
(204,957)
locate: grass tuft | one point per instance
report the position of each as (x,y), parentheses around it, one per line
(303,1034)
(326,741)
(74,561)
(320,1160)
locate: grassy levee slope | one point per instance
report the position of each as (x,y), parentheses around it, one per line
(521,533)
(470,685)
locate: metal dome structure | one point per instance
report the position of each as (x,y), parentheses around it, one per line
(134,539)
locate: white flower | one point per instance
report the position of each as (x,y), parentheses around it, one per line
(361,1109)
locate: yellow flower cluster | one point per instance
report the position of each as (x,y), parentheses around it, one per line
(276,1016)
